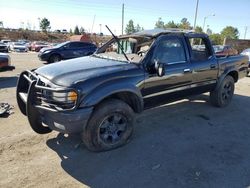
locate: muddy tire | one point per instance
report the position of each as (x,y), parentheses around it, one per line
(223,94)
(110,126)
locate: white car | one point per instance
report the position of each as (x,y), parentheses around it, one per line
(247,53)
(5,62)
(18,47)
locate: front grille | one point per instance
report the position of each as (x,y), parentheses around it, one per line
(48,96)
(20,49)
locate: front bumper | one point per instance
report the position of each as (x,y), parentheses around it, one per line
(71,120)
(66,122)
(20,49)
(43,57)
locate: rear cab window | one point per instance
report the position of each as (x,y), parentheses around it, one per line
(200,49)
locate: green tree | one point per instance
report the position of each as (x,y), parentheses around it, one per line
(138,28)
(159,23)
(76,31)
(198,29)
(82,30)
(130,28)
(216,39)
(185,24)
(230,32)
(70,31)
(1,24)
(209,31)
(45,25)
(171,24)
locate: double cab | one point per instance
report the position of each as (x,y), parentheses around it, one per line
(99,95)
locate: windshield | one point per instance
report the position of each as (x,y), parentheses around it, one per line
(135,49)
(60,44)
(19,44)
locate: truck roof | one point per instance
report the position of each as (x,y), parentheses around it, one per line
(156,32)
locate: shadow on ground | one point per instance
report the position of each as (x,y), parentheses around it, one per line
(183,144)
(8,82)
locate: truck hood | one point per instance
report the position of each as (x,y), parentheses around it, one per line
(66,73)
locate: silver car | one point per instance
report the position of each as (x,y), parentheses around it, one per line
(19,47)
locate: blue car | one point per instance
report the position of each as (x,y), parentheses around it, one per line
(66,50)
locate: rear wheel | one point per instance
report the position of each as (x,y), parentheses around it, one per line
(223,94)
(110,126)
(54,58)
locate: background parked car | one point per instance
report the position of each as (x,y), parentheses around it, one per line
(18,47)
(26,42)
(247,53)
(66,50)
(37,46)
(7,42)
(3,47)
(226,50)
(5,62)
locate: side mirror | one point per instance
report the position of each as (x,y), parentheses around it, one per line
(159,67)
(65,47)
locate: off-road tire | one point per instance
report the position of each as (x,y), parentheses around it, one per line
(95,136)
(223,94)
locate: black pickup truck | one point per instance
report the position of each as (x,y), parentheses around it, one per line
(99,95)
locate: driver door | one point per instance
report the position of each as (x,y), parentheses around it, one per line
(171,51)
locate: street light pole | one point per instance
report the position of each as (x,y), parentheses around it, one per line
(205,18)
(196,12)
(122,18)
(204,22)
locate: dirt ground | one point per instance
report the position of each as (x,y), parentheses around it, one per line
(187,143)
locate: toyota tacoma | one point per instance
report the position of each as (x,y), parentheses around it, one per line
(99,95)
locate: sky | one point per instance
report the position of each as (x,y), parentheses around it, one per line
(93,15)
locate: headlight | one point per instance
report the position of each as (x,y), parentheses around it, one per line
(48,51)
(64,97)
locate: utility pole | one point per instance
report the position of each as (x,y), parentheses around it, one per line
(100,28)
(122,17)
(245,32)
(93,23)
(196,12)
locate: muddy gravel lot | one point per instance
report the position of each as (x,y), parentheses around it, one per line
(187,143)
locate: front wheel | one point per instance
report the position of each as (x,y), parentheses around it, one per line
(54,58)
(110,126)
(223,94)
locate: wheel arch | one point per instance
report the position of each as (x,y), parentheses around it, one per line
(130,95)
(234,74)
(231,72)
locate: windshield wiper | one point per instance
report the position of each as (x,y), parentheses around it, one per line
(119,44)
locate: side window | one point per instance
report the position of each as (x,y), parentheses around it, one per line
(199,49)
(66,46)
(81,45)
(170,51)
(75,45)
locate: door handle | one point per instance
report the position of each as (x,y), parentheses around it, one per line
(212,66)
(186,70)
